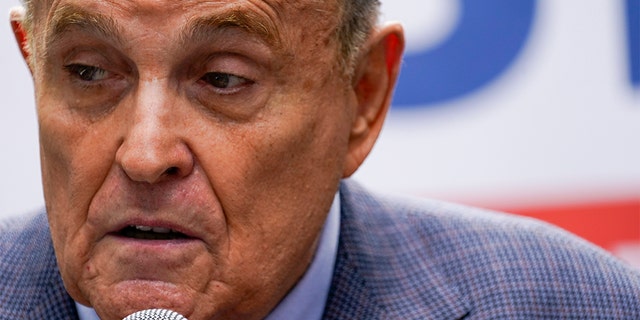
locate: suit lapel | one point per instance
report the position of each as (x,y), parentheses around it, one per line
(383,270)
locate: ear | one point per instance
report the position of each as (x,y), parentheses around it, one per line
(376,73)
(17,18)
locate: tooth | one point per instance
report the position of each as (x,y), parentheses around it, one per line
(161,230)
(143,228)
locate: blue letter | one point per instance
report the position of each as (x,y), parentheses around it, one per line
(633,40)
(489,37)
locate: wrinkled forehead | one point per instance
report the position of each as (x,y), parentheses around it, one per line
(317,8)
(268,18)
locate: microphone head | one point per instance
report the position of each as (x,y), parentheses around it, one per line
(155,314)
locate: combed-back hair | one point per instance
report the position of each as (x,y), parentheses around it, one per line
(359,17)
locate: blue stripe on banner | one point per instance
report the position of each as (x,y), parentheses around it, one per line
(633,40)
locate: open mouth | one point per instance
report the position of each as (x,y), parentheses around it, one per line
(151,233)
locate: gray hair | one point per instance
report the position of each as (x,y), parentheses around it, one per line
(359,17)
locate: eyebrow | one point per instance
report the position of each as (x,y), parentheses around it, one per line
(70,16)
(200,29)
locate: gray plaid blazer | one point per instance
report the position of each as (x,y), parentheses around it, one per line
(397,259)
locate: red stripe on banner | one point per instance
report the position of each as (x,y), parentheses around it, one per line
(605,224)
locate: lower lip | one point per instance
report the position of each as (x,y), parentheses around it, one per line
(145,259)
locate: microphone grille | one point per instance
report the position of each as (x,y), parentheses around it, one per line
(155,314)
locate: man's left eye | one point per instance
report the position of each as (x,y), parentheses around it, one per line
(87,73)
(225,80)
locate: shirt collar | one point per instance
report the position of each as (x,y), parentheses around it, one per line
(308,298)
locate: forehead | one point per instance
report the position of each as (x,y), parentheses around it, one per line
(275,5)
(273,20)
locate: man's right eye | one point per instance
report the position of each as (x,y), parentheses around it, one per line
(225,81)
(87,73)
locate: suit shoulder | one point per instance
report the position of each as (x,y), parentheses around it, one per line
(28,271)
(498,262)
(25,244)
(24,235)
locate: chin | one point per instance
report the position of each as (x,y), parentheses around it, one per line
(127,297)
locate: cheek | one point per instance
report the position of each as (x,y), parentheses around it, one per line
(75,158)
(72,157)
(285,153)
(274,174)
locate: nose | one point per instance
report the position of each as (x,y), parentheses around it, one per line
(153,149)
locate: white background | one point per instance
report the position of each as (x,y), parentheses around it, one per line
(20,179)
(561,126)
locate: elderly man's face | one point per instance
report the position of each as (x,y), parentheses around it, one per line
(191,149)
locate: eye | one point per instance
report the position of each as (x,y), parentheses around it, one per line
(87,73)
(225,80)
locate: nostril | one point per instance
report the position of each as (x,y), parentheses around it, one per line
(172,171)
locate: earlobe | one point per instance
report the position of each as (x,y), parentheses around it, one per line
(17,18)
(374,81)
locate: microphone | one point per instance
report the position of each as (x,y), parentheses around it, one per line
(155,314)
